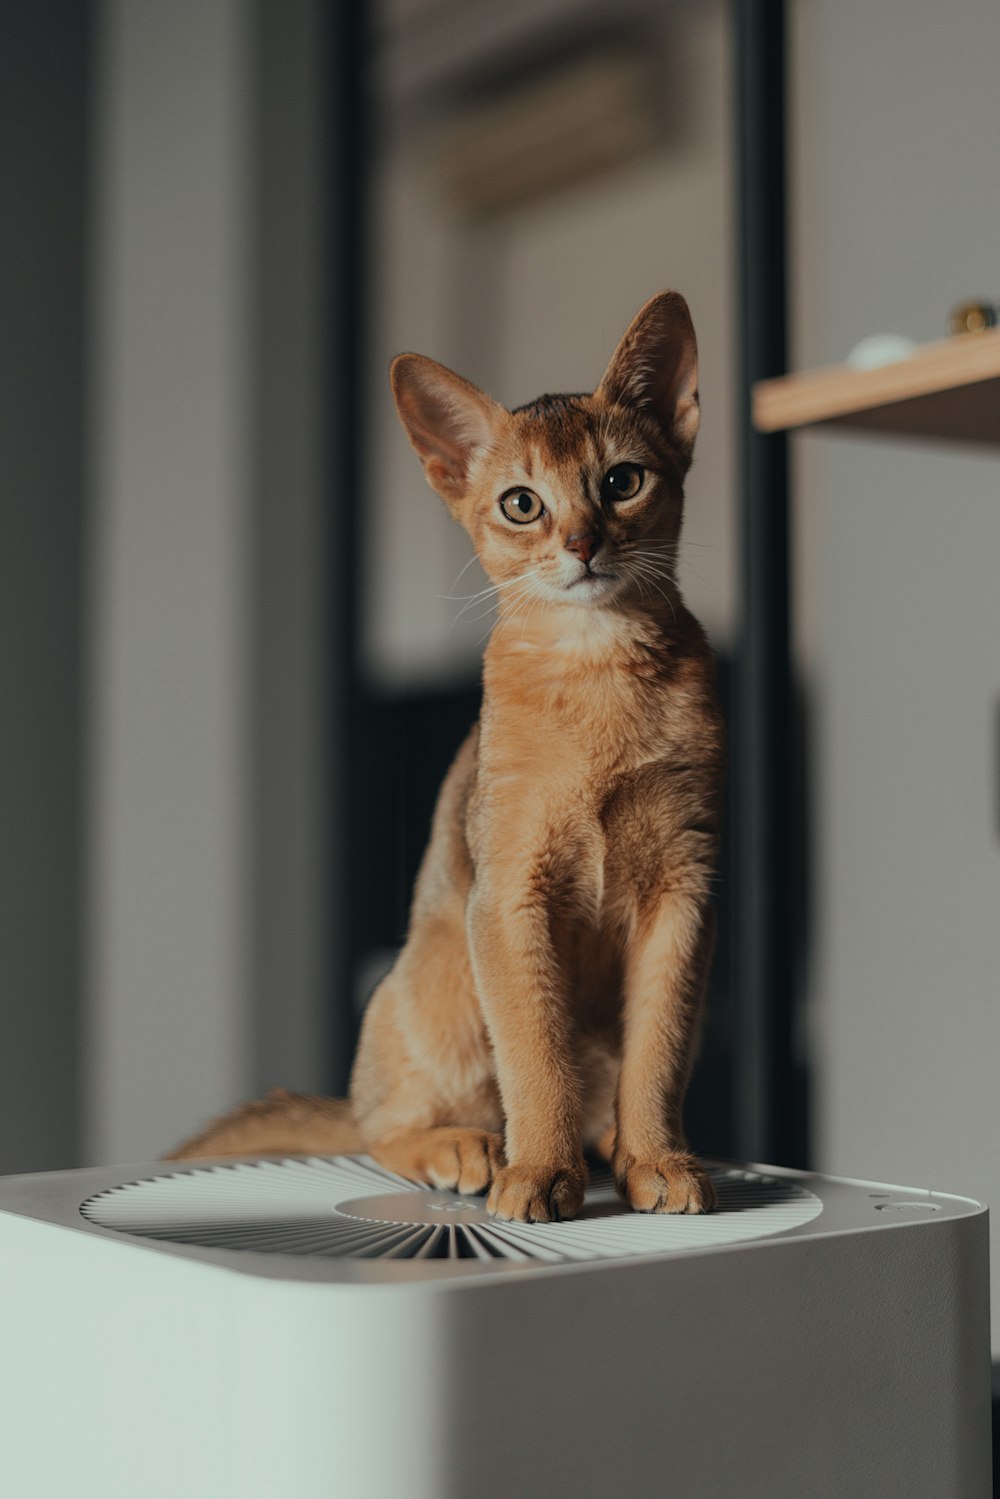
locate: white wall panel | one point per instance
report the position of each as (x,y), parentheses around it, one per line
(897,216)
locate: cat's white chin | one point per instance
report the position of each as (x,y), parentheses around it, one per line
(592,587)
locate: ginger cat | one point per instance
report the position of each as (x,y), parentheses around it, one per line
(548,994)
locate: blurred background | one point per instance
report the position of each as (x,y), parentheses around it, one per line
(233,662)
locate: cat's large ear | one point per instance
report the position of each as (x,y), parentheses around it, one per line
(447,419)
(655,367)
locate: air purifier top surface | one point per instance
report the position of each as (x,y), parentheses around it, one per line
(345,1219)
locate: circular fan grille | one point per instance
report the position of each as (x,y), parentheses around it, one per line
(348,1206)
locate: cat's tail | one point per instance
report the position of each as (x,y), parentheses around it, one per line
(280,1124)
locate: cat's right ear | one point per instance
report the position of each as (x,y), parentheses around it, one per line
(447,419)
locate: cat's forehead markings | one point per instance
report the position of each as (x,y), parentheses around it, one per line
(559,428)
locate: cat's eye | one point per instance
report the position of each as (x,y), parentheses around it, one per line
(623,482)
(521,505)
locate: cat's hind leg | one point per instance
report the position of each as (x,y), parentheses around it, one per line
(604,1145)
(445,1156)
(423,1091)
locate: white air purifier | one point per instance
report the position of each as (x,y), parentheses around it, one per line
(303,1328)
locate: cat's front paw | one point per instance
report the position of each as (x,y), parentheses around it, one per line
(675,1183)
(537,1194)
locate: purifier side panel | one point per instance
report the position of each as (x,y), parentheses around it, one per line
(856,1364)
(127,1374)
(114,1381)
(338,1392)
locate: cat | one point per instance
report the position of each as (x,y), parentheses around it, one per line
(549,992)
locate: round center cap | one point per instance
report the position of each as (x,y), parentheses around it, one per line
(417,1207)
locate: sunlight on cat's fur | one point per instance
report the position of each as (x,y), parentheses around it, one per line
(549,992)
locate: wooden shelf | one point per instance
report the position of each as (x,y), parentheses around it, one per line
(949,389)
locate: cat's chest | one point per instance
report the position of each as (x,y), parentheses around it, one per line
(561,734)
(552,758)
(611,720)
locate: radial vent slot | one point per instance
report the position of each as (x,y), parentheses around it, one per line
(347,1206)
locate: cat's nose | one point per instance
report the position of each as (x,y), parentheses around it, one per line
(583,545)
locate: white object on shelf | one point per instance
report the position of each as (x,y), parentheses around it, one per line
(880,349)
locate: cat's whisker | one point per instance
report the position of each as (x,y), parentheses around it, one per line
(463,598)
(513,601)
(489,592)
(675,556)
(490,587)
(642,580)
(490,603)
(472,598)
(654,556)
(661,562)
(512,605)
(456,598)
(493,604)
(475,619)
(663,594)
(521,577)
(638,582)
(654,551)
(508,603)
(495,627)
(634,575)
(463,570)
(655,574)
(651,575)
(529,609)
(472,603)
(639,560)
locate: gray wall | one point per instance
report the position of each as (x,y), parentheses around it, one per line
(167,1026)
(896,121)
(44,78)
(205,815)
(163,639)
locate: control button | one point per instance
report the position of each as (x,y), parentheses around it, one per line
(908,1207)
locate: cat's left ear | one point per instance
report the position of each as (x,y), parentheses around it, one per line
(447,419)
(655,367)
